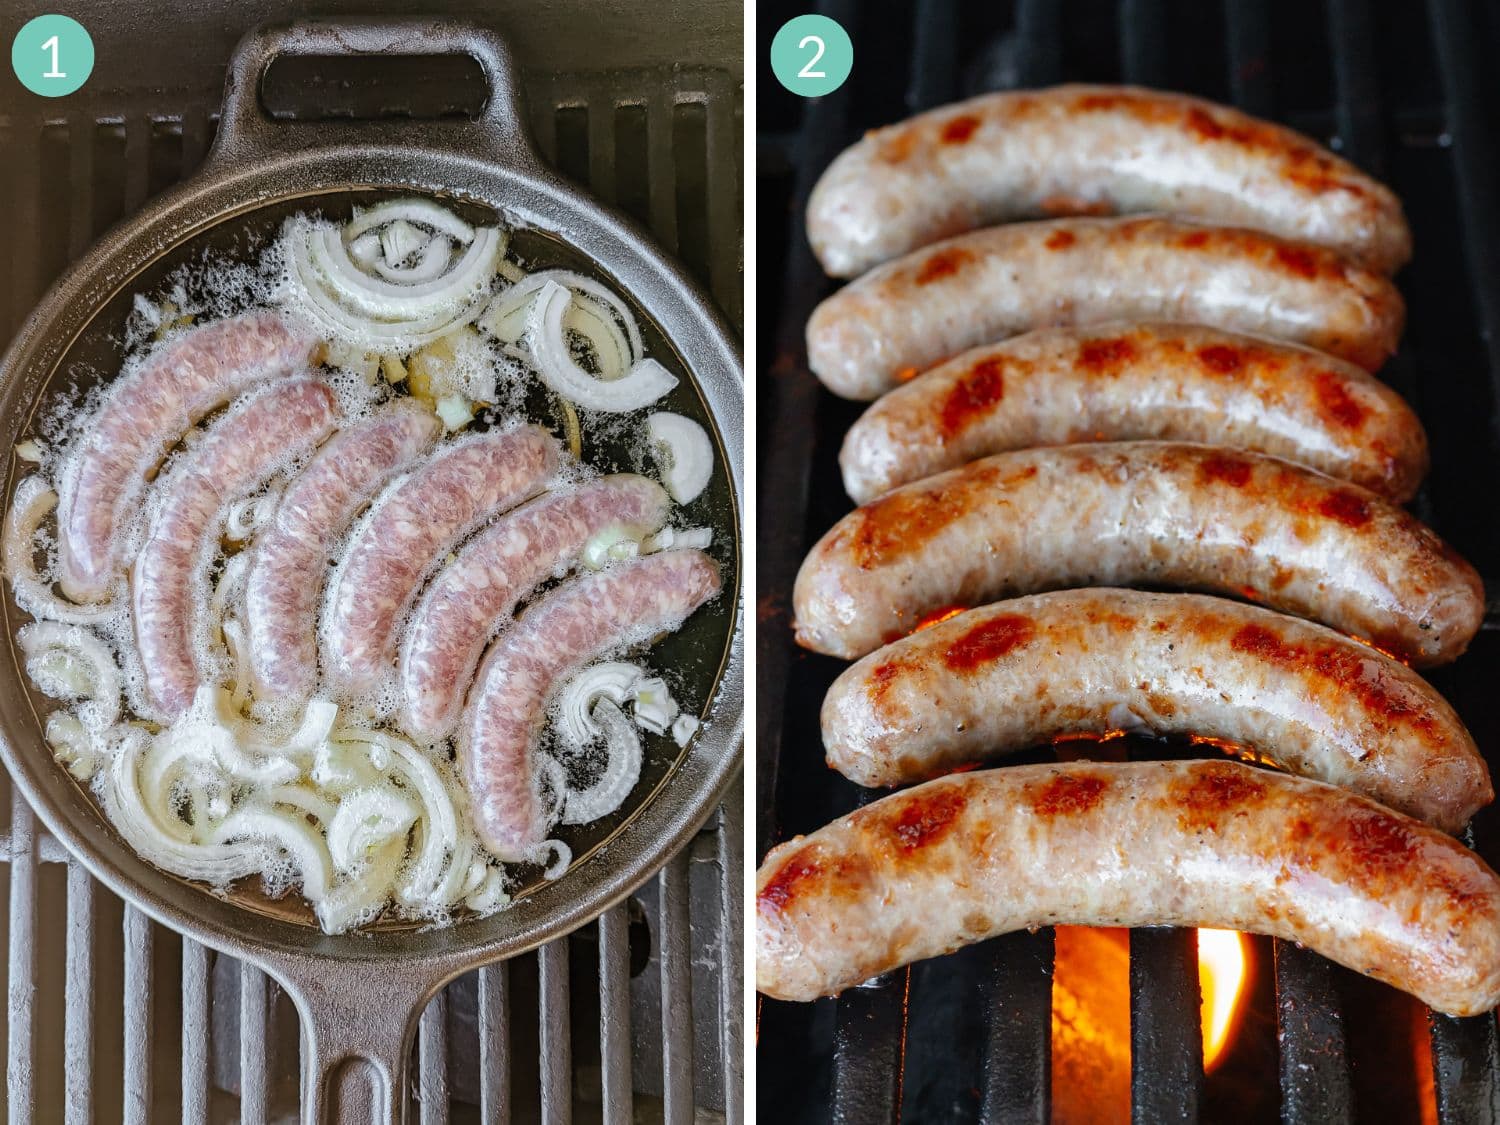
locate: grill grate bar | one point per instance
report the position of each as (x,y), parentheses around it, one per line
(1315,1080)
(21,1052)
(731,989)
(195,1044)
(1018,1028)
(724,147)
(557,1050)
(432,1055)
(254,1076)
(1248,38)
(869,1050)
(934,70)
(139,940)
(1039,31)
(614,1013)
(1143,42)
(494,1044)
(1166,1044)
(78,1018)
(676,992)
(661,168)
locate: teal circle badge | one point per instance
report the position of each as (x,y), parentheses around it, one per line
(52,55)
(812,55)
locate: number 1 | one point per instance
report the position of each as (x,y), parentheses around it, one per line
(51,45)
(808,71)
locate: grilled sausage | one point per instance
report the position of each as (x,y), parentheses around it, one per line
(408,532)
(143,415)
(1137,513)
(1214,844)
(982,287)
(475,594)
(1092,150)
(1123,382)
(1097,662)
(578,622)
(285,581)
(277,425)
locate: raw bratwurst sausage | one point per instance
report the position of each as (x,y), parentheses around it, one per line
(144,414)
(979,288)
(475,594)
(1092,150)
(1137,513)
(407,534)
(1023,672)
(578,622)
(1128,381)
(276,426)
(285,583)
(1214,844)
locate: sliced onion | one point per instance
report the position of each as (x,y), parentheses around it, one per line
(680,539)
(400,240)
(683,452)
(646,382)
(377,335)
(356,901)
(432,264)
(303,799)
(366,819)
(73,744)
(390,301)
(490,895)
(621,771)
(33,500)
(683,729)
(366,249)
(215,863)
(248,516)
(69,662)
(562,858)
(506,319)
(610,680)
(655,709)
(422,211)
(302,843)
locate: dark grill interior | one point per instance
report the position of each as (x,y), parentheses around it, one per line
(1407,91)
(633,1018)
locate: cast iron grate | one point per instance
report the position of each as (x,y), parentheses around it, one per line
(636,1017)
(1404,91)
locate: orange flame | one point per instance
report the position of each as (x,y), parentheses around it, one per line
(1223,975)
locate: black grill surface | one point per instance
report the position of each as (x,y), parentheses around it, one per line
(1407,90)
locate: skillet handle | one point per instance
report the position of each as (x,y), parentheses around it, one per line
(247,132)
(357,1026)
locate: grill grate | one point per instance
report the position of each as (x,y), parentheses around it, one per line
(95,1037)
(1401,90)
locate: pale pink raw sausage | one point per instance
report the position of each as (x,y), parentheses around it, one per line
(285,582)
(143,415)
(276,426)
(578,622)
(476,593)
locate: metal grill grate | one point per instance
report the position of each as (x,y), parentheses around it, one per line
(634,1018)
(1403,91)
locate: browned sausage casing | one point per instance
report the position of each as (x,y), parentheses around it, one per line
(982,287)
(1128,381)
(1214,844)
(1092,150)
(1096,662)
(1137,513)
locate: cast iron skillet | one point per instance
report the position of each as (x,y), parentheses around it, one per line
(358,994)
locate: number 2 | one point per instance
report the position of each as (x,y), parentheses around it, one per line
(807,71)
(51,45)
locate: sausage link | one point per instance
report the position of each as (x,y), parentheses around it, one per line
(410,530)
(285,582)
(1132,381)
(1204,844)
(1098,662)
(477,592)
(276,426)
(1138,513)
(143,415)
(1093,150)
(979,288)
(577,623)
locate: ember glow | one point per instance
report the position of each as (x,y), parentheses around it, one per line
(1222,975)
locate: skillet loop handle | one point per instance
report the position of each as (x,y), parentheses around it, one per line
(247,131)
(357,1026)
